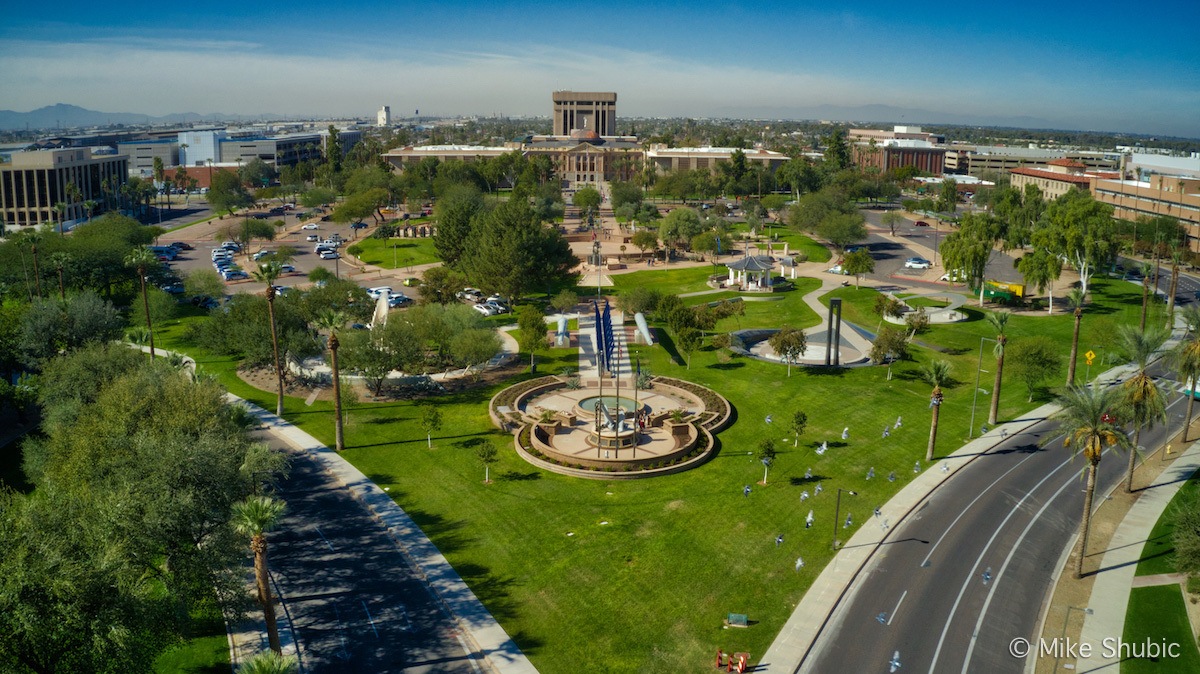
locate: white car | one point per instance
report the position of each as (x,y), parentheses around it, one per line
(954,276)
(311,225)
(496,307)
(287,269)
(473,294)
(917,263)
(329,255)
(312,237)
(484,309)
(261,254)
(837,269)
(379,291)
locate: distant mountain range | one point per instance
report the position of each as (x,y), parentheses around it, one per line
(64,116)
(892,114)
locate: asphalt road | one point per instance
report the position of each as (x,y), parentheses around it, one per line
(890,256)
(1008,515)
(353,601)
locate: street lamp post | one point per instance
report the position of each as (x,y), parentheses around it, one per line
(837,514)
(975,398)
(596,261)
(1067,619)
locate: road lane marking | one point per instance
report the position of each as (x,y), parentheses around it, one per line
(925,562)
(1012,551)
(893,615)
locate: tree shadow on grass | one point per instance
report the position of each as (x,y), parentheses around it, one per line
(804,481)
(825,370)
(492,590)
(733,365)
(445,533)
(381,478)
(516,476)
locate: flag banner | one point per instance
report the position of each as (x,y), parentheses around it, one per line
(608,336)
(600,345)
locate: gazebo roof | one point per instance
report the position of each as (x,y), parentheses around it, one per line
(752,263)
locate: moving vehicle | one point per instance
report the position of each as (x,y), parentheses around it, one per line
(312,237)
(329,255)
(287,269)
(920,223)
(917,263)
(311,225)
(837,269)
(358,225)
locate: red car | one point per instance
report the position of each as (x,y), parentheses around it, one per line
(920,223)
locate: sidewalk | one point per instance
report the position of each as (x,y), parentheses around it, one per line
(492,644)
(1115,578)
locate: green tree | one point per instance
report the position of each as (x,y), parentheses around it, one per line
(1081,230)
(625,193)
(330,321)
(789,343)
(60,261)
(858,263)
(431,421)
(317,197)
(1034,360)
(968,249)
(469,348)
(843,229)
(891,344)
(486,451)
(226,193)
(531,330)
(936,374)
(680,225)
(254,517)
(645,239)
(1185,359)
(587,200)
(1085,416)
(885,306)
(1040,269)
(837,152)
(141,259)
(891,220)
(766,455)
(1143,403)
(798,424)
(440,285)
(998,320)
(565,301)
(689,339)
(268,273)
(948,196)
(512,252)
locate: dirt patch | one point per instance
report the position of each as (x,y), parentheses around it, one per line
(675,505)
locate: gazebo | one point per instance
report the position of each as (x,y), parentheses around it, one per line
(751,272)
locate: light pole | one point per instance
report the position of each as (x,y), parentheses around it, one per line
(837,514)
(596,261)
(1067,619)
(975,398)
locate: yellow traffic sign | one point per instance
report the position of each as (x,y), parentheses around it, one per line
(1090,355)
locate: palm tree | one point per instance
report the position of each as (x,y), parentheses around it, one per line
(1075,299)
(60,208)
(1146,270)
(1142,403)
(267,662)
(1191,317)
(936,373)
(141,258)
(1089,428)
(33,239)
(90,207)
(60,262)
(331,321)
(1177,253)
(267,273)
(1185,359)
(999,321)
(254,517)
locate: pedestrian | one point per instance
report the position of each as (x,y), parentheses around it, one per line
(746,490)
(877,513)
(846,433)
(849,521)
(779,540)
(808,520)
(1004,433)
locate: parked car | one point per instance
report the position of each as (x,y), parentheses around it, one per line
(281,290)
(496,307)
(329,255)
(311,225)
(172,288)
(235,275)
(287,269)
(837,269)
(954,276)
(358,225)
(331,243)
(497,299)
(412,281)
(396,301)
(312,237)
(377,291)
(261,254)
(855,249)
(180,245)
(920,223)
(917,263)
(231,245)
(484,309)
(472,294)
(205,302)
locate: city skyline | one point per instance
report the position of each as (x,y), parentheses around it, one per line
(1038,65)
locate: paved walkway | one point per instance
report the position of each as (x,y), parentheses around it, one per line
(490,642)
(1110,591)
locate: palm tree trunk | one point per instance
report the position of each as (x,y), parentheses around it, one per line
(339,437)
(1187,421)
(1145,298)
(1074,349)
(264,592)
(1174,287)
(995,410)
(62,288)
(37,274)
(275,348)
(1086,524)
(932,433)
(146,308)
(1137,436)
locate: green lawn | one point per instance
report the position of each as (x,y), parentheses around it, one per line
(1157,614)
(666,279)
(647,591)
(1157,554)
(205,653)
(797,242)
(406,253)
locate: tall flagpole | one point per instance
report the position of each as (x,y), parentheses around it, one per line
(617,447)
(637,410)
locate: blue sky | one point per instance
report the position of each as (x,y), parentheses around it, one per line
(1095,65)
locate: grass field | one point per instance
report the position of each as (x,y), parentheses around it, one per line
(654,565)
(1157,555)
(406,253)
(1157,615)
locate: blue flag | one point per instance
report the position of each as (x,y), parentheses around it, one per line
(718,244)
(608,337)
(601,349)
